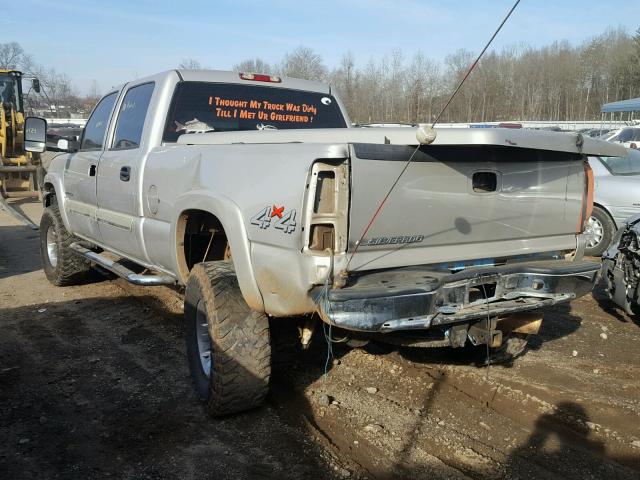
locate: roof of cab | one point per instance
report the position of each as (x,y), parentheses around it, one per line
(222,76)
(234,77)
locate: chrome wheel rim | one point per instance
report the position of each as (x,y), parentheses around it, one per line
(594,232)
(52,247)
(203,338)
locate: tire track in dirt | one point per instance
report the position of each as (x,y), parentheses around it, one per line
(109,378)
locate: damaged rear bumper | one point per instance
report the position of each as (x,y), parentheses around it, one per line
(418,298)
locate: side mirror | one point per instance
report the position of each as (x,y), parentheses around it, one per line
(35,84)
(66,145)
(35,134)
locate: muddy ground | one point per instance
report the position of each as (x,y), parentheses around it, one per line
(94,384)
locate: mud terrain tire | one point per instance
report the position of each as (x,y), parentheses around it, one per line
(240,348)
(62,266)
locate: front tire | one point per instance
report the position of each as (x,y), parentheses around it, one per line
(61,264)
(228,344)
(599,232)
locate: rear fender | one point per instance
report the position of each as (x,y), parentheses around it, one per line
(232,221)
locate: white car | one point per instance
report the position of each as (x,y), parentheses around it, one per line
(628,136)
(616,197)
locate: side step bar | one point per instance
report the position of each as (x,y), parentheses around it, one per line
(122,271)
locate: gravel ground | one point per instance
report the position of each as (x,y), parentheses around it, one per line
(94,384)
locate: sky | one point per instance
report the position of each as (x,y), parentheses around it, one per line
(112,42)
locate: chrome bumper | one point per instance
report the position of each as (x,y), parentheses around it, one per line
(417,298)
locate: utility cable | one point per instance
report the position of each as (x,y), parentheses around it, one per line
(473,65)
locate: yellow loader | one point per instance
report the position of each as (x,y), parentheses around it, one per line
(19,169)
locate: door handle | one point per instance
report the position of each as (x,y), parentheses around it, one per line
(125,174)
(92,170)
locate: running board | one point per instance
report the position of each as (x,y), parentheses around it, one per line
(122,271)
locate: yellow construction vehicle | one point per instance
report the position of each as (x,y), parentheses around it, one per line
(18,168)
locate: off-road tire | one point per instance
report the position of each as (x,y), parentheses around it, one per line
(513,345)
(608,231)
(70,268)
(240,342)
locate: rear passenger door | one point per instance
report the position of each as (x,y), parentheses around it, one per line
(119,174)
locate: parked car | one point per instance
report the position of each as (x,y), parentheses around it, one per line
(609,134)
(595,132)
(252,192)
(616,197)
(629,137)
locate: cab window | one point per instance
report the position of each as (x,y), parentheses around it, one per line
(94,131)
(131,115)
(199,107)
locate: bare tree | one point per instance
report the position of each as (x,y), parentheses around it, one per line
(303,62)
(190,64)
(12,56)
(253,65)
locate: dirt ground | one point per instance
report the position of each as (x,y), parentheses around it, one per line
(94,384)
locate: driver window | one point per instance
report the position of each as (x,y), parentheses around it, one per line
(93,134)
(133,111)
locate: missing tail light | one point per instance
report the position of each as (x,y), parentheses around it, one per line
(321,238)
(325,198)
(327,208)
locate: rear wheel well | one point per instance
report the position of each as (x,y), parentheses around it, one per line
(200,237)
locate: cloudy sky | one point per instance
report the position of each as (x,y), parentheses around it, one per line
(115,41)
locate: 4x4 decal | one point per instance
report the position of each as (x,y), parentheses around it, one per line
(285,220)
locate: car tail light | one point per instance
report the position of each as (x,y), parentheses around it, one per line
(257,77)
(587,198)
(633,145)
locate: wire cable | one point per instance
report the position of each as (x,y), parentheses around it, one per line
(473,65)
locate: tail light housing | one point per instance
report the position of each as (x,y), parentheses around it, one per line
(326,208)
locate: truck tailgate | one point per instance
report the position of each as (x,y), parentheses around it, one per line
(457,203)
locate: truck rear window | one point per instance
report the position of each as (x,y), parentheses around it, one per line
(199,107)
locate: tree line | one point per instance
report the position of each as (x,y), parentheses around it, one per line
(556,82)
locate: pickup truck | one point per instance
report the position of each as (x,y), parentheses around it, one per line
(255,194)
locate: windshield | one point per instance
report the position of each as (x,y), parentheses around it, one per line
(9,91)
(199,107)
(629,165)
